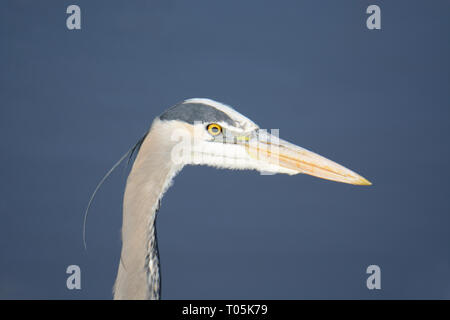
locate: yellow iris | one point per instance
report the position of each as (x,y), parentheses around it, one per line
(214,129)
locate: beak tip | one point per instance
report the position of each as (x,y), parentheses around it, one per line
(363,182)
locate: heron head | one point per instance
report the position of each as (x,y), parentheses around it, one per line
(206,132)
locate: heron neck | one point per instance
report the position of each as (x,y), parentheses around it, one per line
(139,273)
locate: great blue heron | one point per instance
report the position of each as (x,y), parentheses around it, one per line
(197,132)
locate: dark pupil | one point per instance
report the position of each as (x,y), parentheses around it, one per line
(215,129)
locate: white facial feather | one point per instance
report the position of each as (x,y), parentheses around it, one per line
(229,156)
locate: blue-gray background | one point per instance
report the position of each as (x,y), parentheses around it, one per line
(72,102)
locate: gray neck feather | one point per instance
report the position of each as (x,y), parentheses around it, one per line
(139,273)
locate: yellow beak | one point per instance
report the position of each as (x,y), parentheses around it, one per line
(284,155)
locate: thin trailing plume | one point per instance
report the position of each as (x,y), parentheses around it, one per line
(128,154)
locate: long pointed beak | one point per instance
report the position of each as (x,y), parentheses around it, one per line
(284,155)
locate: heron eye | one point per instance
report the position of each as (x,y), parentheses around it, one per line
(214,129)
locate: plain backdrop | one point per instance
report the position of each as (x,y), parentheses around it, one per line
(376,101)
